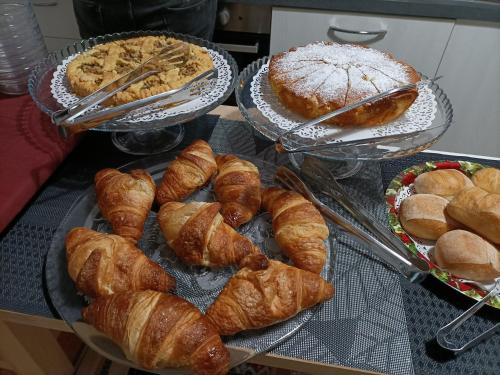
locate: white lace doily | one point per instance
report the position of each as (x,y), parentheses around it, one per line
(61,91)
(418,117)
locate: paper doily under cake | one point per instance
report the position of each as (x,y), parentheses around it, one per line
(61,92)
(419,116)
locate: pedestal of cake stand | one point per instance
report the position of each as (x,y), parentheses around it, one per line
(339,168)
(148,142)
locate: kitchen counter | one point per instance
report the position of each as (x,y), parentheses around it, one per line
(455,9)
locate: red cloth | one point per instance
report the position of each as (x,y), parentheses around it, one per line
(30,151)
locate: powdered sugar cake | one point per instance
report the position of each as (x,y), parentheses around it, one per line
(321,77)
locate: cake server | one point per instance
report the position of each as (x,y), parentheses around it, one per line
(283,144)
(189,91)
(413,272)
(171,54)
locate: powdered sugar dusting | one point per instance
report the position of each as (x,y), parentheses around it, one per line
(328,70)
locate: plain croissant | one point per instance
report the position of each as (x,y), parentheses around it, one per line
(125,200)
(237,188)
(197,233)
(158,330)
(263,293)
(102,264)
(192,169)
(299,228)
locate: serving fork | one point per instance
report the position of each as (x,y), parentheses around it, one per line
(414,271)
(76,118)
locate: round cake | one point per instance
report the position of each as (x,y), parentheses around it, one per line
(324,76)
(104,63)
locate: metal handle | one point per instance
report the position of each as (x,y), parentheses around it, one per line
(46,3)
(239,47)
(358,32)
(442,334)
(398,261)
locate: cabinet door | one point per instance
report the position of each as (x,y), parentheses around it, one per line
(471,79)
(418,41)
(56,18)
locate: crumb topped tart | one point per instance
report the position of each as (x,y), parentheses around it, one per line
(102,64)
(324,76)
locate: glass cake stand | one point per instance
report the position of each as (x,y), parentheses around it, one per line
(152,135)
(345,158)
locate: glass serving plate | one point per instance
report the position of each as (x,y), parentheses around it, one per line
(199,285)
(352,152)
(402,187)
(138,137)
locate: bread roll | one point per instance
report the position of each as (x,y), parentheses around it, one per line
(488,179)
(467,255)
(423,215)
(478,210)
(443,182)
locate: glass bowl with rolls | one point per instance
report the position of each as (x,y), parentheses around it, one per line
(342,103)
(178,264)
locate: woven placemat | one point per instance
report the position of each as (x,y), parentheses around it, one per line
(376,321)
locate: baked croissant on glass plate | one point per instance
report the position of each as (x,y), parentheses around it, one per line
(158,330)
(198,235)
(102,264)
(299,228)
(190,170)
(125,200)
(264,292)
(237,188)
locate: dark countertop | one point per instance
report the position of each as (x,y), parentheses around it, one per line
(455,9)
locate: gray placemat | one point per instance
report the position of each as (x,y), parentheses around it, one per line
(364,325)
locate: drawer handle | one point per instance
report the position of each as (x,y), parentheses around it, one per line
(359,32)
(240,47)
(45,3)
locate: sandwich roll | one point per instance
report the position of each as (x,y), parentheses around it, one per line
(467,255)
(443,182)
(423,215)
(478,210)
(488,179)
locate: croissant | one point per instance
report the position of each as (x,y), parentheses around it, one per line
(159,330)
(264,293)
(237,187)
(299,228)
(198,235)
(192,169)
(102,264)
(125,200)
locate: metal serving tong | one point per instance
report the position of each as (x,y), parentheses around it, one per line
(284,143)
(442,334)
(412,268)
(78,117)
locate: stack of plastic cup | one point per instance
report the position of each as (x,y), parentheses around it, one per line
(21,45)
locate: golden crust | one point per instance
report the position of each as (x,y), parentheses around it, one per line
(318,102)
(102,64)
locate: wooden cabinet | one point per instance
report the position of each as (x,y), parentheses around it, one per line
(420,41)
(57,22)
(471,78)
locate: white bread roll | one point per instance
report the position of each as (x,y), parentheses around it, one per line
(467,255)
(488,179)
(443,182)
(478,210)
(423,215)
